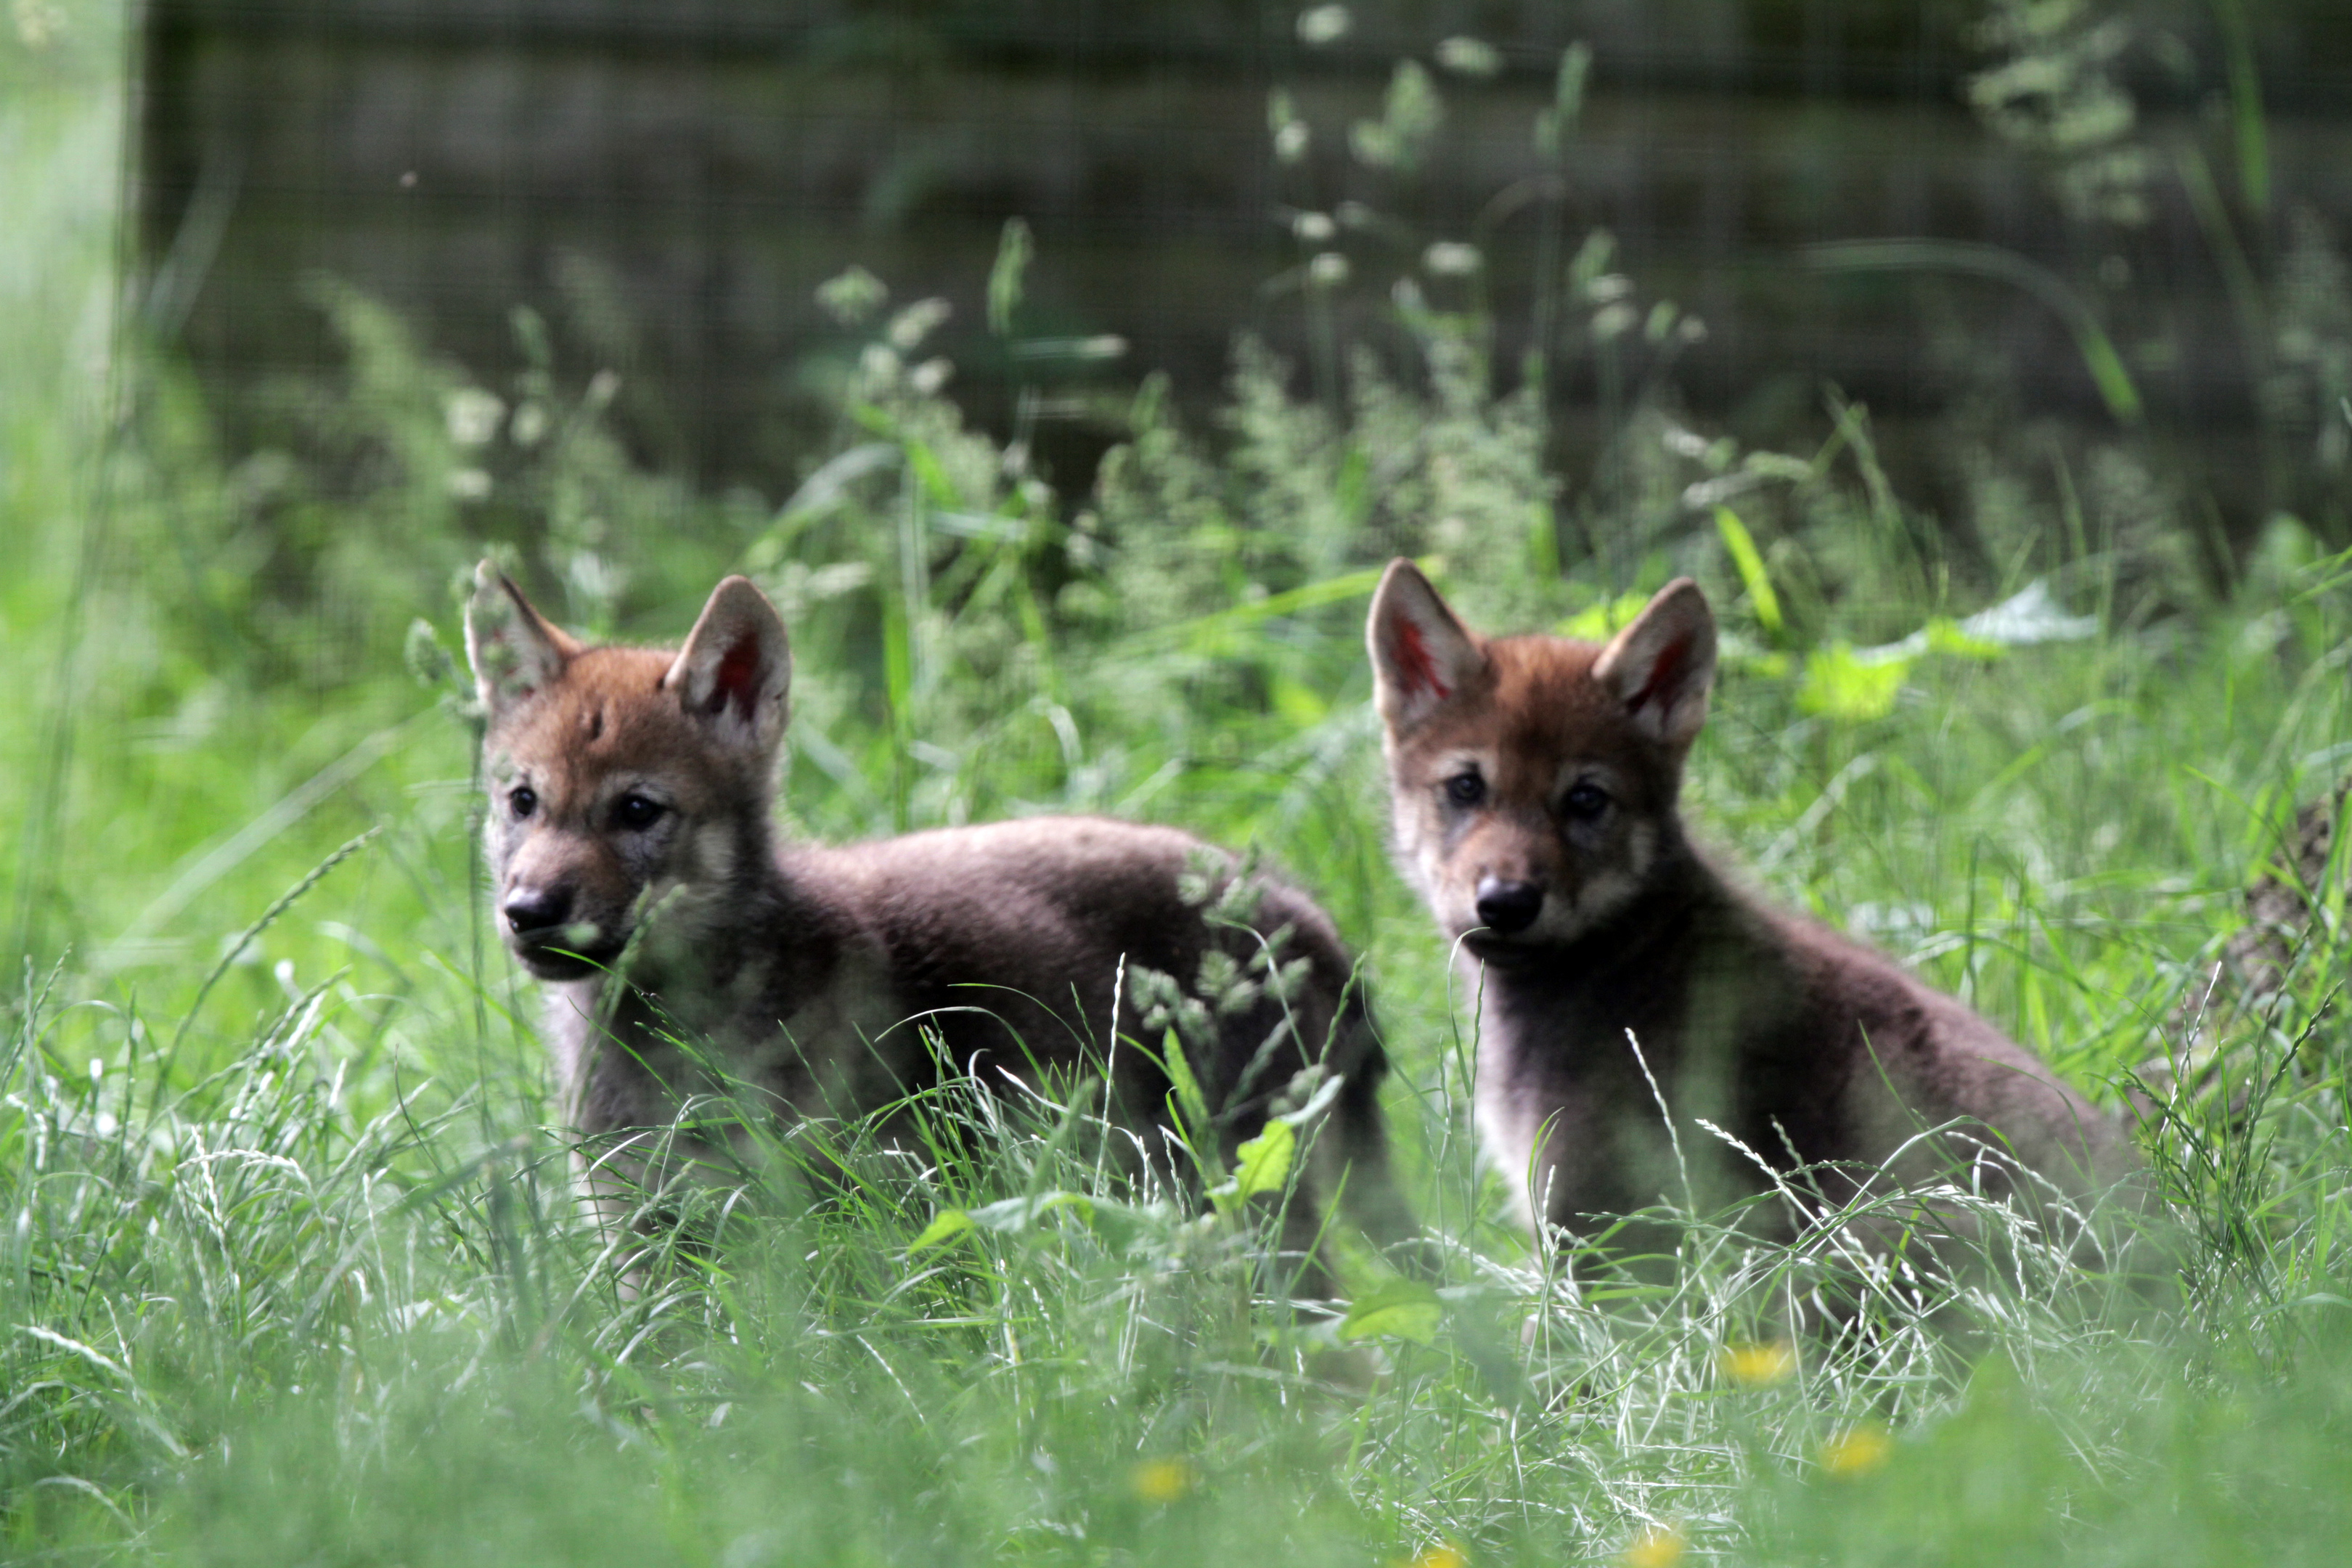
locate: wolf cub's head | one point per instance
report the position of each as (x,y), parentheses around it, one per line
(1535,777)
(620,774)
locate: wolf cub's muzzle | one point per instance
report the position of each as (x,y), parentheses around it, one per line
(1509,907)
(545,937)
(1506,908)
(531,911)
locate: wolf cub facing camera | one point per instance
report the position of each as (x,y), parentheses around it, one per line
(1535,784)
(636,784)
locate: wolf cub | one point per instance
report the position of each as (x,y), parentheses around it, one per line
(1534,785)
(632,786)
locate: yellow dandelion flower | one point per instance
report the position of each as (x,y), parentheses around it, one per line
(1659,1546)
(1857,1450)
(1444,1555)
(1758,1366)
(1162,1480)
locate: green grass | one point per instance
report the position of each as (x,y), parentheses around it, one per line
(288,1266)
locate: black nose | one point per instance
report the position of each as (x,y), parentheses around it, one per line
(529,909)
(1508,907)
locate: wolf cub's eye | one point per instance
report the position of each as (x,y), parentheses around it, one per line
(636,810)
(523,800)
(1466,789)
(1585,802)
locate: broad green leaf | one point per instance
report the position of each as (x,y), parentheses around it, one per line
(1840,685)
(1189,1098)
(1750,566)
(1263,1164)
(1397,1309)
(946,1224)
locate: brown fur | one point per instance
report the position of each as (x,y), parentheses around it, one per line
(1808,1048)
(813,974)
(2278,904)
(2256,960)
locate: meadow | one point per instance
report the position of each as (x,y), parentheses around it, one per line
(289,1271)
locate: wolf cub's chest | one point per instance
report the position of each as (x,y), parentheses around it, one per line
(770,1032)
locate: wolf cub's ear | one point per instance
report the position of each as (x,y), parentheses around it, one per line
(736,667)
(513,648)
(1661,665)
(1421,655)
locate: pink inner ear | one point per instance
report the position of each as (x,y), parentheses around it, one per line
(1415,667)
(737,679)
(1663,674)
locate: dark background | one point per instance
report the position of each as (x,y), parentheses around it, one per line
(667,183)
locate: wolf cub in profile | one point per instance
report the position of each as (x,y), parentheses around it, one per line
(1535,784)
(632,785)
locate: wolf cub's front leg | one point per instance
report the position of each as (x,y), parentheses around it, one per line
(838,981)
